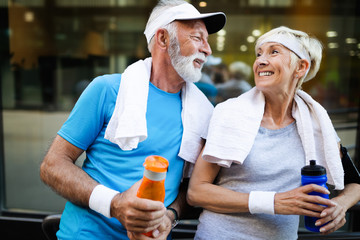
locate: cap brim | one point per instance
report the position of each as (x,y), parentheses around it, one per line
(213,21)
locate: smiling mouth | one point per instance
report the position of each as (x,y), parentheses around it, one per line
(265,73)
(199,61)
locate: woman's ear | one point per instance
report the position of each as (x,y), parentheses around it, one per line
(162,38)
(302,67)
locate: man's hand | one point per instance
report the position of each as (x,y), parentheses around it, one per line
(136,214)
(299,202)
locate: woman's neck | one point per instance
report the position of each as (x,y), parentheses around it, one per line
(278,111)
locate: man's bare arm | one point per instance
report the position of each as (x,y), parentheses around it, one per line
(58,170)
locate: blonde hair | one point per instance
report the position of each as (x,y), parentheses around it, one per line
(309,44)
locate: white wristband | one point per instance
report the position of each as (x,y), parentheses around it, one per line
(100,199)
(261,202)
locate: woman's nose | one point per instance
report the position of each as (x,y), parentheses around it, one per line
(261,61)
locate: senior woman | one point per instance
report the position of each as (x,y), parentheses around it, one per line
(247,178)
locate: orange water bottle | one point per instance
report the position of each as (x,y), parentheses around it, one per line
(153,183)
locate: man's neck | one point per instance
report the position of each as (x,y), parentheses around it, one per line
(164,77)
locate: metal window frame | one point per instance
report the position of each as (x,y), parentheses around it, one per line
(4,24)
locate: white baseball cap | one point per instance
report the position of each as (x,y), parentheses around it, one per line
(213,21)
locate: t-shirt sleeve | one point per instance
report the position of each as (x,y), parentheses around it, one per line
(88,115)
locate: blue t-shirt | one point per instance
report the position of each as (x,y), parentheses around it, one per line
(107,163)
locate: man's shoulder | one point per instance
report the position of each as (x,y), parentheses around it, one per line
(107,81)
(108,78)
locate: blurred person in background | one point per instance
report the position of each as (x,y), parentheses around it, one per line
(221,73)
(206,84)
(239,73)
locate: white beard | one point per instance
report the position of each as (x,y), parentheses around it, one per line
(184,65)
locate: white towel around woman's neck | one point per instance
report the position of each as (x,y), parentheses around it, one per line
(127,126)
(236,122)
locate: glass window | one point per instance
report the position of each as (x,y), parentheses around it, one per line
(50,51)
(53,50)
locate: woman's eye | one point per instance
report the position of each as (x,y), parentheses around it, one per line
(275,51)
(258,55)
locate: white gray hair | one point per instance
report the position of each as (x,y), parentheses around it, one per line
(158,9)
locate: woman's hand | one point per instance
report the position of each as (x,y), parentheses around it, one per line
(333,217)
(299,202)
(160,233)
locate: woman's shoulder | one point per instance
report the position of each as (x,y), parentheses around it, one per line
(230,103)
(249,103)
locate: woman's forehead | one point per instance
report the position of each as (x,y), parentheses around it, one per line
(271,45)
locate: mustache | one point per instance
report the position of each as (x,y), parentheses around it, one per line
(200,56)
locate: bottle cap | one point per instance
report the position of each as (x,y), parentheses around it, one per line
(156,163)
(313,169)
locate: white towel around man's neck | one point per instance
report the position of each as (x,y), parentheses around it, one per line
(236,122)
(127,126)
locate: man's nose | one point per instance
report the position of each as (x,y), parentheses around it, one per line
(205,48)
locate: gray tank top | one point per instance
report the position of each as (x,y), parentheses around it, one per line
(273,164)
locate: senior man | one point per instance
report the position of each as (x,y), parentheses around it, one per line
(153,108)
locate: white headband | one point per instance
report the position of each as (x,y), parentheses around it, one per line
(184,11)
(291,43)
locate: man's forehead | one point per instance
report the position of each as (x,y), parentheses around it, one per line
(196,24)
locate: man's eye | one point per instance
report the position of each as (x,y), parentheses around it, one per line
(197,38)
(275,51)
(258,55)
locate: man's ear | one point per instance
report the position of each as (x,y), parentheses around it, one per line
(162,38)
